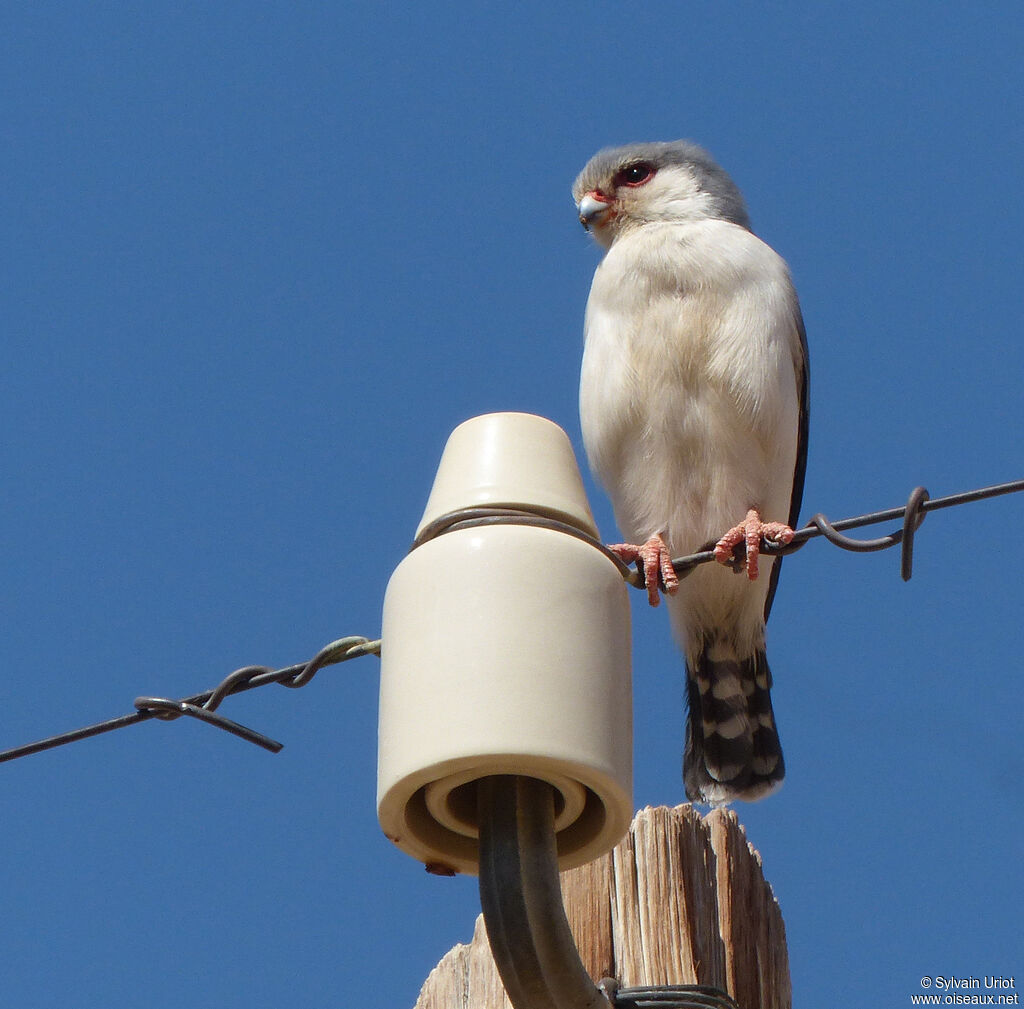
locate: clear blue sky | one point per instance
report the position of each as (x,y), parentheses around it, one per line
(259,259)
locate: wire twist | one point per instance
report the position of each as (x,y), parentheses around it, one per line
(203,707)
(912,513)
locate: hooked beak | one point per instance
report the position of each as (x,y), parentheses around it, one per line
(594,209)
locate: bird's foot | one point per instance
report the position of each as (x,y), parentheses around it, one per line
(657,565)
(750,532)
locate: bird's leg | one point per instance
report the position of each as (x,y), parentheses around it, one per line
(749,532)
(657,561)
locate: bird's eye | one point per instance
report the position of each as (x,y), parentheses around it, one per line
(634,175)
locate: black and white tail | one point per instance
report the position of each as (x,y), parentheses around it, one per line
(732,745)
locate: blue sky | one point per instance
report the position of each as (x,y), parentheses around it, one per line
(261,258)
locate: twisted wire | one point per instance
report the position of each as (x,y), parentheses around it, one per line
(912,513)
(203,706)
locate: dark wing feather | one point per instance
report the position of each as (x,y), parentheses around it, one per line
(803,380)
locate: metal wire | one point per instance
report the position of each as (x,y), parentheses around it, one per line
(474,518)
(912,513)
(670,997)
(202,706)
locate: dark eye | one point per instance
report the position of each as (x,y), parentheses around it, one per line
(634,175)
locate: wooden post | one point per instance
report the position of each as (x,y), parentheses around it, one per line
(681,900)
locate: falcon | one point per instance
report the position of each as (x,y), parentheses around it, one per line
(694,410)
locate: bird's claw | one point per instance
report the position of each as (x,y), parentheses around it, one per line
(656,561)
(750,532)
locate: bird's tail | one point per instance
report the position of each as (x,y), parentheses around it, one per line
(732,745)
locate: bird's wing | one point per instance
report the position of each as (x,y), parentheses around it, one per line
(803,382)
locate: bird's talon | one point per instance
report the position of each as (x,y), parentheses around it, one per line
(654,560)
(749,534)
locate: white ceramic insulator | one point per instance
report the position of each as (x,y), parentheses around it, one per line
(512,460)
(506,651)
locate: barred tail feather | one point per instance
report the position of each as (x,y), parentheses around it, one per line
(732,745)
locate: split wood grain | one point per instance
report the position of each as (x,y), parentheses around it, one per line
(681,900)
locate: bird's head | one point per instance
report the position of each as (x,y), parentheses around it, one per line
(625,187)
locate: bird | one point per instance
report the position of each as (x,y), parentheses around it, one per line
(694,414)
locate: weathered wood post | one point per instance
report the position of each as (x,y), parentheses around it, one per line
(680,900)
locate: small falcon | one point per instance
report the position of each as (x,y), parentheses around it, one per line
(693,404)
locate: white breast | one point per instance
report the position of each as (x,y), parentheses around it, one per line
(689,394)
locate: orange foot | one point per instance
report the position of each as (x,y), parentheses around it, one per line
(657,562)
(750,531)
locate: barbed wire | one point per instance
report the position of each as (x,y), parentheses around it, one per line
(204,706)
